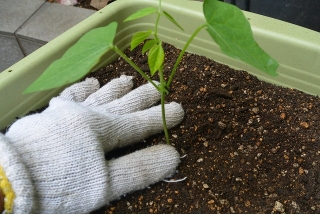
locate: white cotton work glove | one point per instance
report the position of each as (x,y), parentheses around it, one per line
(53,162)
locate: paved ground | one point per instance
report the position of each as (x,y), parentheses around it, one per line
(27,25)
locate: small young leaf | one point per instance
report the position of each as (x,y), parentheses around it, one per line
(172,20)
(230,29)
(155,58)
(78,60)
(138,38)
(141,13)
(148,45)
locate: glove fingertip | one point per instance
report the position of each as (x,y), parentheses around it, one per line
(170,159)
(174,114)
(113,90)
(142,168)
(80,91)
(126,77)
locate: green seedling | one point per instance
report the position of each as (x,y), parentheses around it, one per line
(225,23)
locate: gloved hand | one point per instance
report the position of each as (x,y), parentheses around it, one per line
(53,162)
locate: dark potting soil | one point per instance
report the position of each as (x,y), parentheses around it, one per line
(250,146)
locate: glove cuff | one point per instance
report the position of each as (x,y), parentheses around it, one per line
(15,181)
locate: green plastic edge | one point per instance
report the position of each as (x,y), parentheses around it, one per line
(297,49)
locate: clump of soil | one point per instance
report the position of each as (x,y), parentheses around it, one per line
(250,146)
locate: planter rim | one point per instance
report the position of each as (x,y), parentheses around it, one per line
(296,48)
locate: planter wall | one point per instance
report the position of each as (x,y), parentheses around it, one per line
(297,49)
(303,13)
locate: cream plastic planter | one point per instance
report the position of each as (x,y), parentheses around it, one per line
(297,49)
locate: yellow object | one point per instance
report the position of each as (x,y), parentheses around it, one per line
(8,192)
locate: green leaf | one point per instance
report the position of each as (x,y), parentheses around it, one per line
(138,38)
(78,60)
(172,20)
(155,58)
(148,45)
(230,29)
(141,13)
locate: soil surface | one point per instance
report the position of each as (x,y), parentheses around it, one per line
(250,146)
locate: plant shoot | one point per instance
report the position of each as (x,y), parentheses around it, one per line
(225,23)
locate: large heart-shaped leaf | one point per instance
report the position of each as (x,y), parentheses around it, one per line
(78,60)
(230,29)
